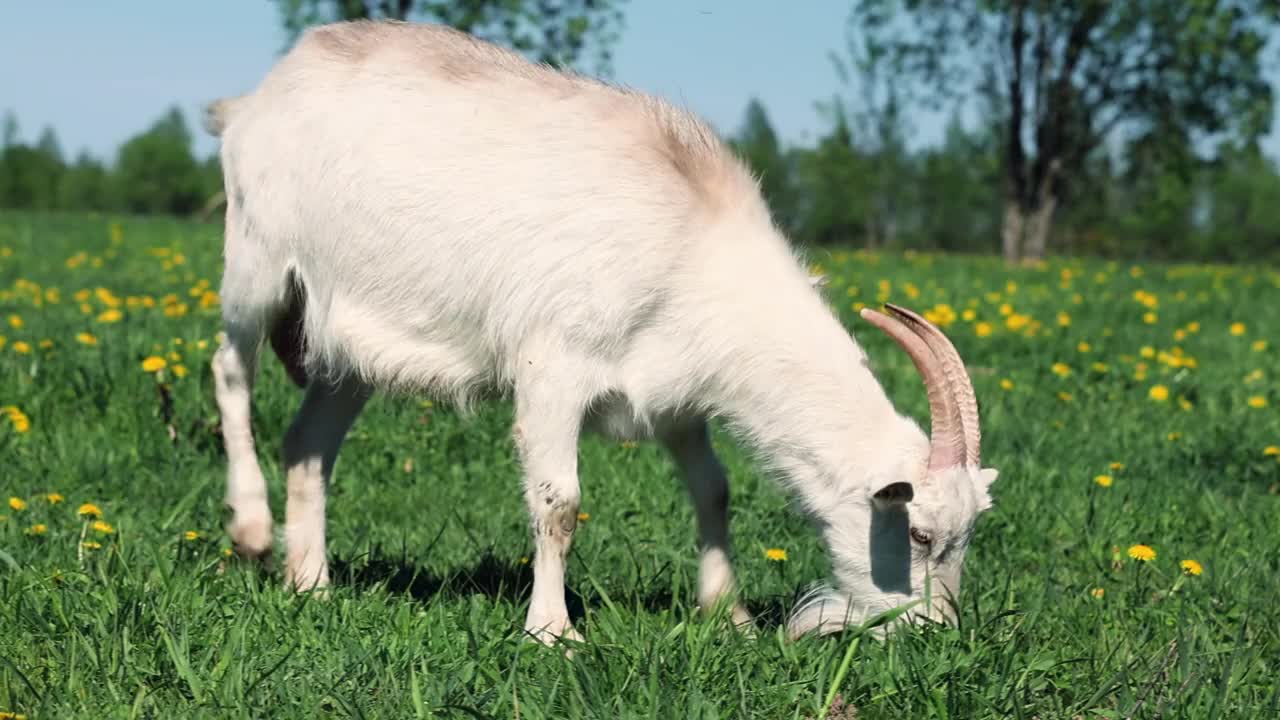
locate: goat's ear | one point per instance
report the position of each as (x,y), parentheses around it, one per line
(894,494)
(986,476)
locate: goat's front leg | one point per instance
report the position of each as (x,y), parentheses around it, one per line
(310,450)
(547,425)
(708,487)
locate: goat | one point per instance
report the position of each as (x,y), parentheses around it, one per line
(411,209)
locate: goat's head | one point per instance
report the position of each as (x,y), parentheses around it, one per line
(904,539)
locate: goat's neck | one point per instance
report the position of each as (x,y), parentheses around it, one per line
(797,386)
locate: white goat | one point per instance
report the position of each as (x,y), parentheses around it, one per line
(410,208)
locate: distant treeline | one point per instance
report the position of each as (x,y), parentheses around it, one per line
(1152,198)
(154,172)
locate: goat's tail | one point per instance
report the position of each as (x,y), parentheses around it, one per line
(219,113)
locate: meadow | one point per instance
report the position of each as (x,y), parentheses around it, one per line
(1128,569)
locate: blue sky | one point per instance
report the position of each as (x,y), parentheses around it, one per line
(100,71)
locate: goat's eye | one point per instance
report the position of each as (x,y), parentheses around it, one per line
(921,536)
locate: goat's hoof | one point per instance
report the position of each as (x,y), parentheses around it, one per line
(552,632)
(251,539)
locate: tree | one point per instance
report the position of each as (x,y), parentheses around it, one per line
(156,172)
(1067,74)
(29,176)
(85,185)
(557,32)
(757,144)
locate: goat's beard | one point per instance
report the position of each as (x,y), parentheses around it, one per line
(823,610)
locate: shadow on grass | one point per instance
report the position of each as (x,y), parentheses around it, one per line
(500,579)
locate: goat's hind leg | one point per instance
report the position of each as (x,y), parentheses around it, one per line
(310,451)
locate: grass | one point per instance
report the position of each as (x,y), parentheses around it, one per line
(429,541)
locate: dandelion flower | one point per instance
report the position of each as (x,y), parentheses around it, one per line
(17,504)
(1065,396)
(22,347)
(1237,328)
(103,527)
(1174,436)
(1257,401)
(91,545)
(1083,347)
(37,529)
(54,498)
(110,315)
(1103,480)
(85,338)
(1097,593)
(1117,466)
(584,516)
(1259,345)
(1006,384)
(191,535)
(1061,369)
(1142,553)
(776,554)
(1271,450)
(21,423)
(1158,393)
(983,329)
(15,322)
(180,371)
(1064,320)
(154,363)
(89,509)
(1191,567)
(1147,352)
(1150,318)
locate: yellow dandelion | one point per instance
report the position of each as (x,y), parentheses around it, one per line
(1097,593)
(17,504)
(37,529)
(91,545)
(1150,318)
(180,370)
(1064,320)
(1257,401)
(1185,404)
(1117,466)
(1271,450)
(1159,393)
(1006,384)
(1103,480)
(22,347)
(1173,436)
(154,363)
(110,315)
(1259,345)
(1179,334)
(983,329)
(1237,328)
(1191,567)
(1083,347)
(15,322)
(1065,396)
(1061,369)
(103,527)
(584,516)
(524,560)
(46,344)
(1100,367)
(89,509)
(1142,553)
(776,554)
(191,535)
(85,338)
(18,419)
(54,498)
(1147,352)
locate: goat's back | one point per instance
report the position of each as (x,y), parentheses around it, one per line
(441,198)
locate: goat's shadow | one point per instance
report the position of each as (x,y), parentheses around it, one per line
(502,580)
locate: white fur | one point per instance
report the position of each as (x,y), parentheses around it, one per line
(463,222)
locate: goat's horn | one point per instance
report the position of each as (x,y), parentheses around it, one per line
(957,378)
(946,441)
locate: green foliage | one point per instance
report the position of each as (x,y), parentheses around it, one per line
(427,526)
(156,171)
(558,32)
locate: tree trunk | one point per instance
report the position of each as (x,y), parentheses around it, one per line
(1011,232)
(1041,222)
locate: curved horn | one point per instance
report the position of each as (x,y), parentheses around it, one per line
(957,378)
(946,436)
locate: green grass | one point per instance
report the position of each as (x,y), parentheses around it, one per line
(427,527)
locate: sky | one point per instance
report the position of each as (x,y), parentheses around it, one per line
(99,72)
